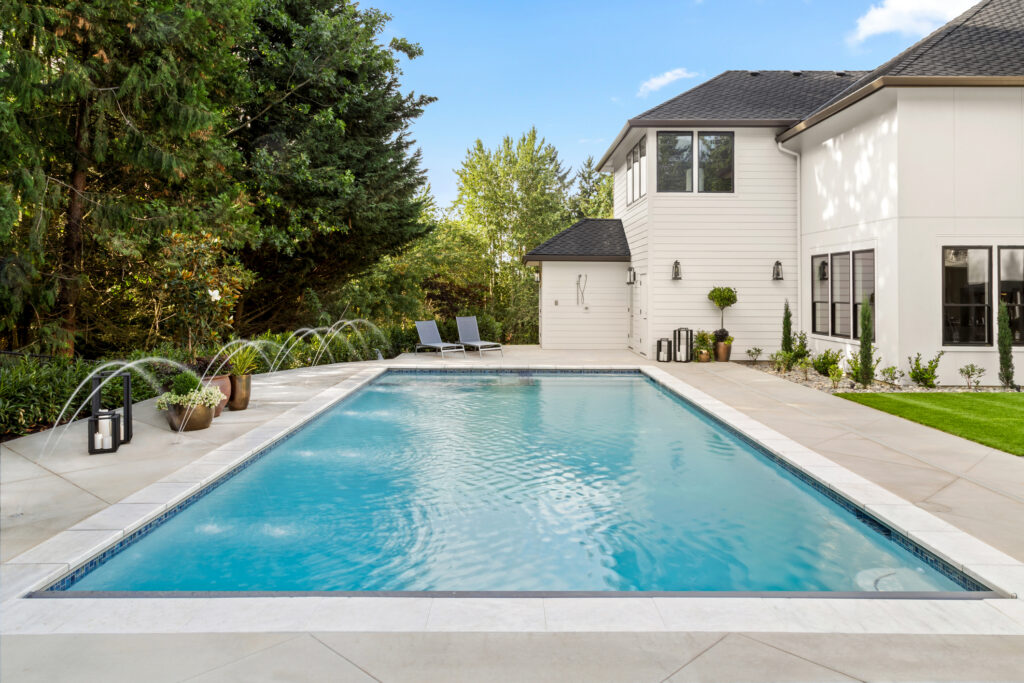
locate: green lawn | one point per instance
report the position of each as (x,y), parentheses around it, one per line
(996,420)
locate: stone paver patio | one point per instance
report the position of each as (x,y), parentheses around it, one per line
(975,488)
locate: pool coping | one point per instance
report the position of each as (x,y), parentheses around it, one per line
(42,565)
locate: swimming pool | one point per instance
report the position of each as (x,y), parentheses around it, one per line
(517,482)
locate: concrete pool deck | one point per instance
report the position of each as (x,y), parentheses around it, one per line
(972,487)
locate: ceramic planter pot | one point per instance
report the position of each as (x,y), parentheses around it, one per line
(180,418)
(241,390)
(722,351)
(222,382)
(703,356)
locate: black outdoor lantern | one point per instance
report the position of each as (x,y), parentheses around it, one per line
(777,271)
(630,275)
(108,429)
(677,271)
(823,270)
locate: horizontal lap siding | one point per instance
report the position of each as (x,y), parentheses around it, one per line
(729,240)
(599,321)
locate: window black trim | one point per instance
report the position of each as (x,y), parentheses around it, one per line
(693,161)
(815,302)
(855,323)
(831,298)
(999,283)
(732,166)
(987,305)
(639,150)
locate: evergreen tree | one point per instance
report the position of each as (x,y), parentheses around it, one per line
(1004,340)
(112,113)
(787,328)
(593,193)
(866,367)
(328,159)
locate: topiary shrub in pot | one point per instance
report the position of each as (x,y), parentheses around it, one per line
(723,298)
(243,363)
(189,405)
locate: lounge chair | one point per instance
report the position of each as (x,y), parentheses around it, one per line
(469,336)
(430,339)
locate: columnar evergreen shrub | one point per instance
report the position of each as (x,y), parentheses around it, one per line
(1004,341)
(866,374)
(787,329)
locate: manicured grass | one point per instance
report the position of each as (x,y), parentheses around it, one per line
(996,420)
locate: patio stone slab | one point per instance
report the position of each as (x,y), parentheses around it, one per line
(303,658)
(737,659)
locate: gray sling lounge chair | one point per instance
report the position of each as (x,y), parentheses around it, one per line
(469,336)
(430,339)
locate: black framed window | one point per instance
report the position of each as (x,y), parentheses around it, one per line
(864,286)
(839,276)
(636,171)
(1011,289)
(716,161)
(819,294)
(966,296)
(675,162)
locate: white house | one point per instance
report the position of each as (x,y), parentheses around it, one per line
(904,185)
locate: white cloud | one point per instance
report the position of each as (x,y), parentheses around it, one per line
(658,82)
(908,17)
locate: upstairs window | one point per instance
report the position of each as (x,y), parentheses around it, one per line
(675,162)
(716,162)
(636,171)
(1011,289)
(966,296)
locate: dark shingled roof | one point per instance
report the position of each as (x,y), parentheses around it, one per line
(591,239)
(777,96)
(986,40)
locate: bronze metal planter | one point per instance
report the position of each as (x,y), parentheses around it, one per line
(199,417)
(241,390)
(222,382)
(722,351)
(703,356)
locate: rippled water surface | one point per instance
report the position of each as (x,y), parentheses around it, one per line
(514,482)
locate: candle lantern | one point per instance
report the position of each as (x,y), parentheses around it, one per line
(124,417)
(104,432)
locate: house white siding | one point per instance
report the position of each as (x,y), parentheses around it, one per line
(584,305)
(634,219)
(907,172)
(726,240)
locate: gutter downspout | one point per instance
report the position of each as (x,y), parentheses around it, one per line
(799,238)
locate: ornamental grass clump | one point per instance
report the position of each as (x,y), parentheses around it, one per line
(244,361)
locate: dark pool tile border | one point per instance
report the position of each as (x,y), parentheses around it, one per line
(62,585)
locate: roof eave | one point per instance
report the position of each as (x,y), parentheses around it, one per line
(689,123)
(536,259)
(901,82)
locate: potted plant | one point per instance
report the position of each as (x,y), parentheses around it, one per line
(243,362)
(189,405)
(221,381)
(702,343)
(723,297)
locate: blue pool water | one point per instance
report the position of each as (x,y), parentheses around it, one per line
(506,482)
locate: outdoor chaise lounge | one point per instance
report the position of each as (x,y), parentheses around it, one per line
(469,336)
(430,339)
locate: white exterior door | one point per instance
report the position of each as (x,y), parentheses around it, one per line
(638,314)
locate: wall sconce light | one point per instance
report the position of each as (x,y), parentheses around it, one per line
(677,271)
(536,276)
(823,270)
(631,275)
(777,271)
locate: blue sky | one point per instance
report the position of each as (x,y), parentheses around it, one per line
(576,70)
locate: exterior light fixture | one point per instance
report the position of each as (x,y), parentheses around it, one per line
(777,271)
(536,276)
(677,271)
(823,270)
(631,275)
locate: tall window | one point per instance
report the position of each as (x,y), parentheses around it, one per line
(819,294)
(715,152)
(1011,289)
(840,278)
(863,287)
(966,311)
(675,162)
(636,171)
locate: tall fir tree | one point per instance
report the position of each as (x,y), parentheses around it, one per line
(1004,340)
(867,349)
